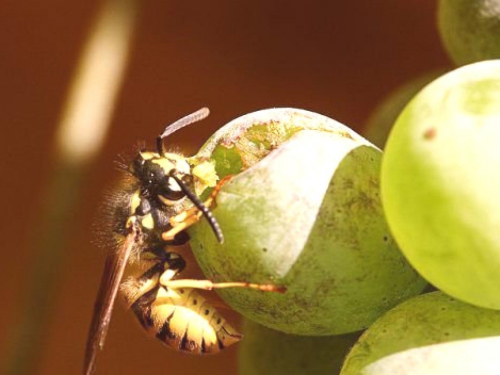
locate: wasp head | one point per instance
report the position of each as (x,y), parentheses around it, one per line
(155,175)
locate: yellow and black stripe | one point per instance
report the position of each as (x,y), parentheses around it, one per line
(184,320)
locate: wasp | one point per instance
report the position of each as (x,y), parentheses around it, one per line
(158,201)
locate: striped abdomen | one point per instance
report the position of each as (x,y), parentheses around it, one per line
(183,320)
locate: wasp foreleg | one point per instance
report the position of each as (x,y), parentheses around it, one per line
(192,215)
(208,202)
(179,227)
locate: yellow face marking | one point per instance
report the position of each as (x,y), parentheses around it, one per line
(173,185)
(148,155)
(165,164)
(135,201)
(168,202)
(183,166)
(174,157)
(148,222)
(179,162)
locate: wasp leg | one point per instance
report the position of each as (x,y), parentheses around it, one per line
(134,287)
(190,216)
(208,202)
(170,234)
(177,265)
(167,282)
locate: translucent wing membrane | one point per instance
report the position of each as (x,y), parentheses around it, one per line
(103,308)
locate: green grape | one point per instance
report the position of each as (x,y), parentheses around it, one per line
(266,351)
(441,183)
(432,334)
(385,114)
(308,217)
(470,29)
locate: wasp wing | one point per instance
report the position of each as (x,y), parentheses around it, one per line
(103,308)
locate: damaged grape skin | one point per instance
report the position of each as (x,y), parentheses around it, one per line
(307,216)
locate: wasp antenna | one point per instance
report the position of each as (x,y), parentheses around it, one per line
(179,124)
(160,146)
(199,204)
(185,121)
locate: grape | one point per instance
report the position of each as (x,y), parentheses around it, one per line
(470,29)
(308,217)
(265,351)
(441,183)
(385,114)
(432,334)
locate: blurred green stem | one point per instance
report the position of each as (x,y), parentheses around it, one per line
(84,122)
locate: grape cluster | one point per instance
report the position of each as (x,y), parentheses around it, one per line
(354,234)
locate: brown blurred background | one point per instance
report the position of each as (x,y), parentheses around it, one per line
(338,58)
